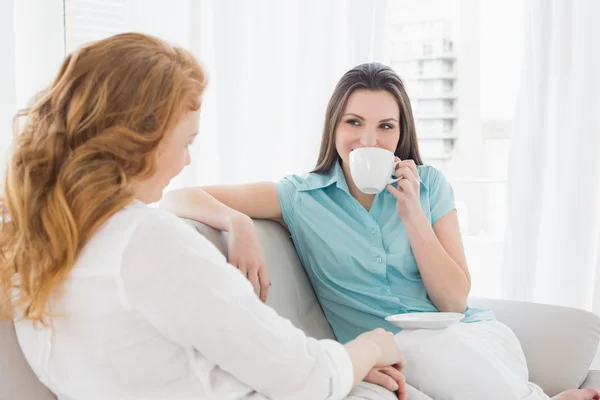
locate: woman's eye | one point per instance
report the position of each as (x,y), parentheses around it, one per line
(386,126)
(353,122)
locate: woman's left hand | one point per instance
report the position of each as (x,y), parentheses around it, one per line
(390,378)
(408,192)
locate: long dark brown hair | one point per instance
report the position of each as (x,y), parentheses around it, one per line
(85,139)
(374,77)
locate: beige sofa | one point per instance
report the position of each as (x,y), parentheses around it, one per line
(559,343)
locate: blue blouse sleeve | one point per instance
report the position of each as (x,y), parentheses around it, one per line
(287,193)
(441,196)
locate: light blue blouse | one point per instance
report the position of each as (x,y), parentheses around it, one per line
(360,262)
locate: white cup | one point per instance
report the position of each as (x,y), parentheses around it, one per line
(372,168)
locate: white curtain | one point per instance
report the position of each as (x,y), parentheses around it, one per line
(31,49)
(554,175)
(272,66)
(7,72)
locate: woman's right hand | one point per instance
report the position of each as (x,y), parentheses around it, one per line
(246,254)
(388,352)
(377,350)
(389,362)
(390,378)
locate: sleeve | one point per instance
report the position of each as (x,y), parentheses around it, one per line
(183,286)
(287,193)
(441,195)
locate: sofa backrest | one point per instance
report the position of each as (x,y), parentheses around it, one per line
(17,380)
(291,293)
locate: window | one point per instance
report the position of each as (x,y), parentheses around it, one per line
(460,72)
(463,101)
(427,48)
(88,20)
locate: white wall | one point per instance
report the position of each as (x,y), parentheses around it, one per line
(8,101)
(502,40)
(468,156)
(31,49)
(39,45)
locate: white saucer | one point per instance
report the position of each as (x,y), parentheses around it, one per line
(425,320)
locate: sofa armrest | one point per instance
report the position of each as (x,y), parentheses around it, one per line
(592,380)
(559,342)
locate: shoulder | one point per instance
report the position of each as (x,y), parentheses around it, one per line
(432,178)
(429,174)
(138,217)
(150,227)
(311,181)
(291,185)
(294,181)
(136,229)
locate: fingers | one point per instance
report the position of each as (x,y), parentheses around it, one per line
(256,275)
(243,267)
(247,269)
(399,366)
(253,278)
(591,394)
(379,378)
(392,373)
(398,377)
(413,167)
(398,194)
(408,163)
(405,186)
(264,284)
(406,173)
(402,390)
(389,378)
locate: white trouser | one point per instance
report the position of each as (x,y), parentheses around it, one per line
(480,360)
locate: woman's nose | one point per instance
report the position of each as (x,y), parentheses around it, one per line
(368,138)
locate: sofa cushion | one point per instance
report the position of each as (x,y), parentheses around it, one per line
(17,380)
(559,342)
(291,293)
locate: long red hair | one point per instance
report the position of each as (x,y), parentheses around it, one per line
(82,142)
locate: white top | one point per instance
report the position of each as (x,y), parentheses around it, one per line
(152,310)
